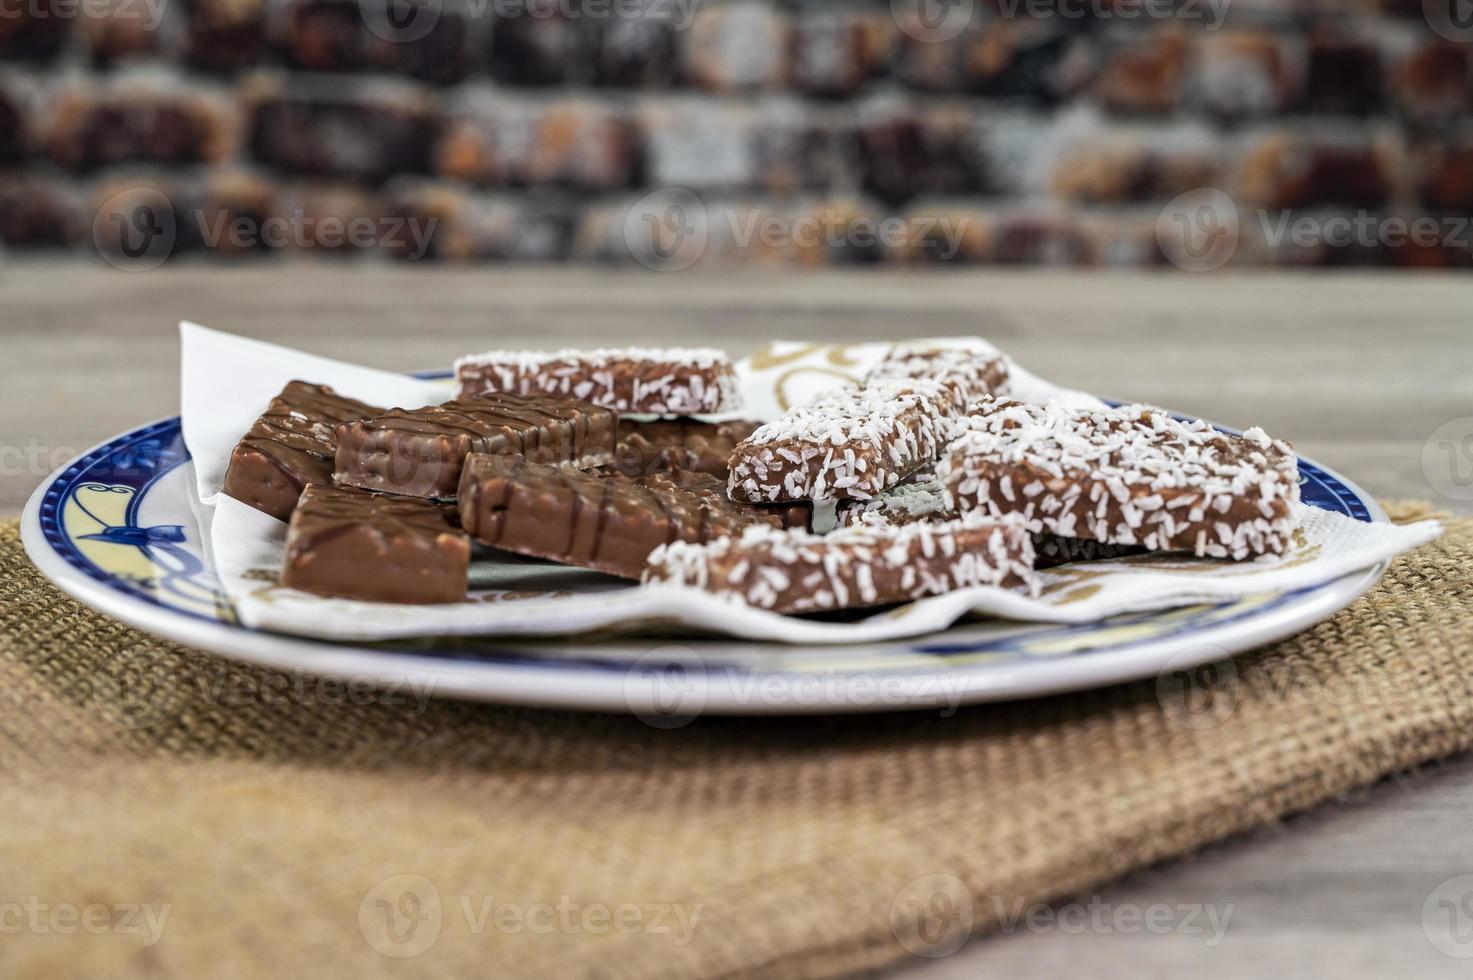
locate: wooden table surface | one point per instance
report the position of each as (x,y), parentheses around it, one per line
(1357,370)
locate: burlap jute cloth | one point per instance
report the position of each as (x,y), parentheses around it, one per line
(310,834)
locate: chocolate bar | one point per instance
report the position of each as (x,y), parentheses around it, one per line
(798,513)
(973,372)
(421,452)
(864,565)
(290,446)
(603,521)
(1127,476)
(678,444)
(675,381)
(857,442)
(359,545)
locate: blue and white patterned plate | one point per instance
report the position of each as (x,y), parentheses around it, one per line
(117,529)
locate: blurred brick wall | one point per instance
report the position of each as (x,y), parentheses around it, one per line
(1194,133)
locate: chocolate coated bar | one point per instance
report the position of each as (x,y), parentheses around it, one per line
(866,564)
(359,545)
(972,372)
(602,521)
(678,444)
(289,446)
(1127,476)
(857,442)
(673,381)
(421,452)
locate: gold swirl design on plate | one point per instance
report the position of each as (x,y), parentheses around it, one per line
(839,355)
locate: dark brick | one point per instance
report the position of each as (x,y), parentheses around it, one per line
(365,137)
(38,213)
(440,57)
(15,130)
(905,154)
(542,44)
(636,52)
(1289,171)
(224,35)
(229,213)
(120,30)
(326,35)
(1434,81)
(1342,74)
(34,31)
(93,128)
(1448,180)
(803,150)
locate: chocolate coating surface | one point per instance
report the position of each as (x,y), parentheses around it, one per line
(678,444)
(289,446)
(359,545)
(602,521)
(421,452)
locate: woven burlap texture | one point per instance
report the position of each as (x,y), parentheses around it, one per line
(289,828)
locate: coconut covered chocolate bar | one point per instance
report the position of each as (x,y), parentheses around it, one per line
(290,446)
(670,381)
(360,545)
(597,520)
(973,372)
(854,443)
(867,564)
(1126,476)
(421,452)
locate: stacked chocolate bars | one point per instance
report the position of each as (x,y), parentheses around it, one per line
(939,481)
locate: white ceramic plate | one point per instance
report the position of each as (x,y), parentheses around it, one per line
(116,528)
